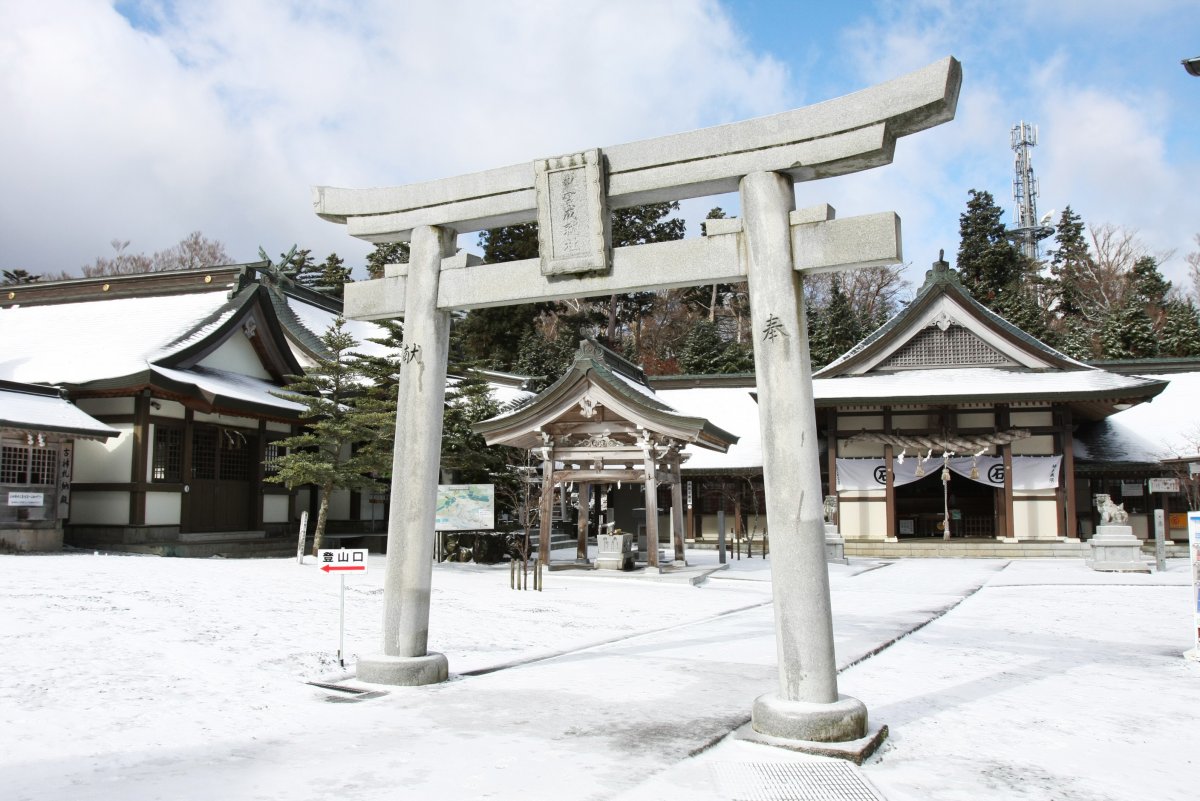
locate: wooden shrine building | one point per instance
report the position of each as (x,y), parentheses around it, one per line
(600,425)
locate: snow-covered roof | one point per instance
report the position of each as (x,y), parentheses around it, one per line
(1145,433)
(124,333)
(318,320)
(75,343)
(1167,427)
(977,384)
(43,409)
(731,409)
(600,377)
(223,388)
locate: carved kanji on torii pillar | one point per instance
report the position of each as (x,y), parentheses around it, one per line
(572,197)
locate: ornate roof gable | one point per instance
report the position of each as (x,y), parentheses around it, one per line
(944,327)
(601,392)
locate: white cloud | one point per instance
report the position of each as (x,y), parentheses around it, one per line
(219,116)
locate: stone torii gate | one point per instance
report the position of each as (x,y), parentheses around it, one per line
(571,197)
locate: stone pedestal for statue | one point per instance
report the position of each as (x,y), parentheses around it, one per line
(1115,549)
(835,545)
(614,552)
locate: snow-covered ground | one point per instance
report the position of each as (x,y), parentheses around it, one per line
(127,677)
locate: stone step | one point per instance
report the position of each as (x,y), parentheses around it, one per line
(221,536)
(229,549)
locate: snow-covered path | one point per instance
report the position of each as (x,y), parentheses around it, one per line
(141,678)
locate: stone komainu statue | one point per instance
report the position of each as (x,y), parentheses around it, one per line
(1111,513)
(830,508)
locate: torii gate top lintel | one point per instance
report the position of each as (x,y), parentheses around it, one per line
(571,198)
(834,137)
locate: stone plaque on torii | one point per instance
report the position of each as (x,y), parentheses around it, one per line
(769,246)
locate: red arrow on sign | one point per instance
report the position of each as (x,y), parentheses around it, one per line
(328,568)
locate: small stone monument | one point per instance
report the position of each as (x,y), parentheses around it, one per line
(1114,547)
(835,543)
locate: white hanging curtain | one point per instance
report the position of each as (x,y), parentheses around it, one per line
(868,474)
(1029,472)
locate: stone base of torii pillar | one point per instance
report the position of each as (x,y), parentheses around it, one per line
(403,671)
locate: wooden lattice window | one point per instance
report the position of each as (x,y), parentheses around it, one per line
(954,347)
(14,464)
(22,463)
(204,453)
(168,454)
(236,456)
(272,454)
(43,466)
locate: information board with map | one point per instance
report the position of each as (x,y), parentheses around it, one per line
(466,507)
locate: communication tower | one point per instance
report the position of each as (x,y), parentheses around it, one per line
(1027,230)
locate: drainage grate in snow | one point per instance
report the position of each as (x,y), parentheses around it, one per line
(792,781)
(353,694)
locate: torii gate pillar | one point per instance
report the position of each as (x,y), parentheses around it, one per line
(807,705)
(422,393)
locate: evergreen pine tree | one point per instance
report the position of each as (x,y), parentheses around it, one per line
(493,337)
(464,453)
(988,262)
(17,276)
(820,346)
(299,266)
(702,351)
(1079,342)
(382,383)
(543,361)
(1180,334)
(332,277)
(994,270)
(1128,333)
(1148,287)
(343,427)
(843,328)
(386,253)
(1070,260)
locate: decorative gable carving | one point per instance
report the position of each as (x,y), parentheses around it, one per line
(945,344)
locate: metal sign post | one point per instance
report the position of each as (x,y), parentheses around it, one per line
(342,561)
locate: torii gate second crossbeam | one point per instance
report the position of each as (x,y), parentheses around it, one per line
(572,197)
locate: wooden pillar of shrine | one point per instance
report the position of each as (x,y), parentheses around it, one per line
(651,509)
(585,500)
(677,508)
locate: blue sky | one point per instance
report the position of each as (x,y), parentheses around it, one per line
(147,120)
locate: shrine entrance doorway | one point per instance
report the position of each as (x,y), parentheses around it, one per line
(922,505)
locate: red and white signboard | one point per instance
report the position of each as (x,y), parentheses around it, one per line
(342,561)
